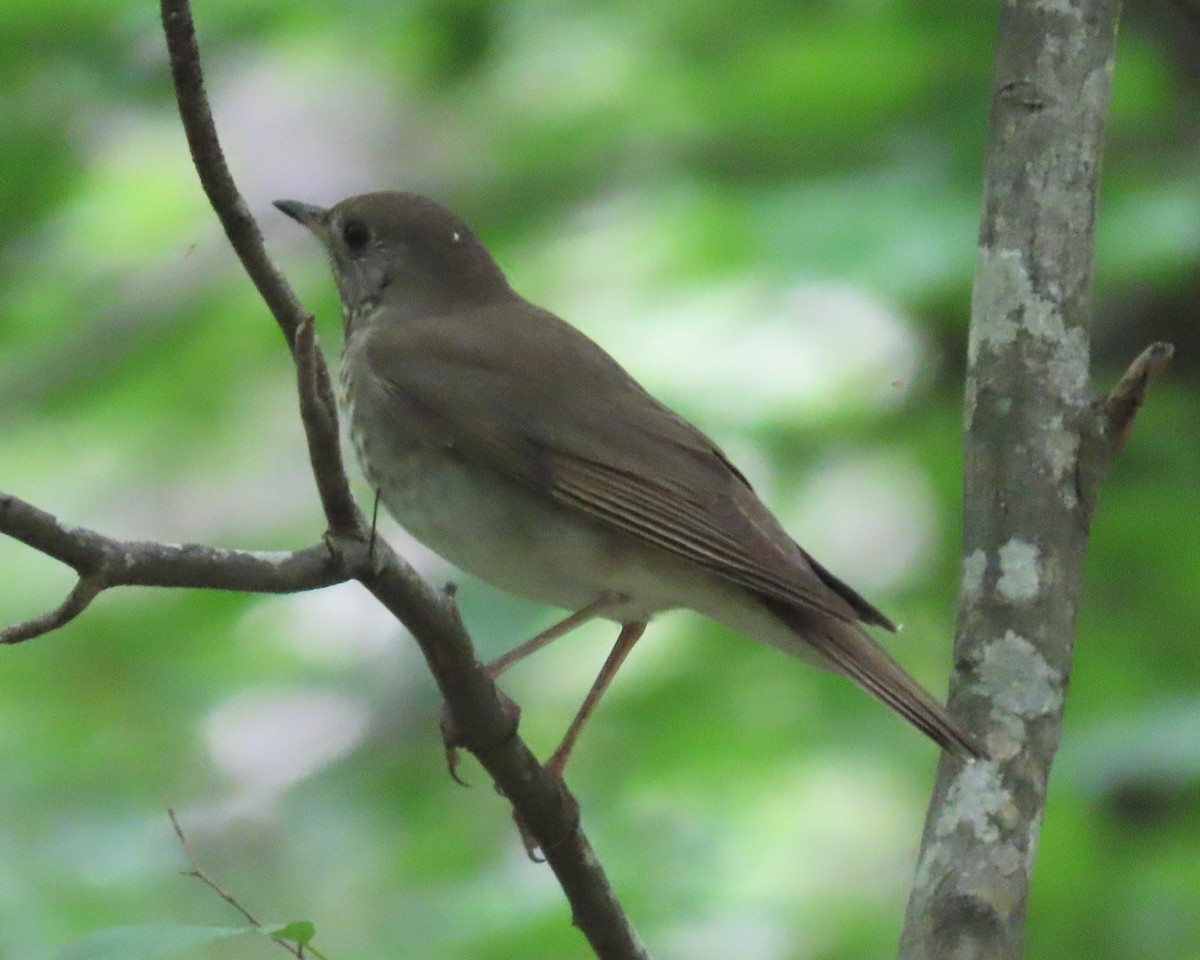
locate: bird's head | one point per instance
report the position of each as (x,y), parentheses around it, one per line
(402,251)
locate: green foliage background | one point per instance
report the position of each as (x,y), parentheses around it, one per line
(768,213)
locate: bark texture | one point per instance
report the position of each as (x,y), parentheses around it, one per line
(1036,447)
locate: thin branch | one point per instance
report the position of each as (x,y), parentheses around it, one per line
(148,564)
(317,404)
(200,874)
(318,409)
(81,595)
(316,393)
(485,726)
(240,227)
(142,563)
(104,562)
(1121,404)
(82,550)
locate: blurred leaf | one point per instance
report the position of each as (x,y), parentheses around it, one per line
(146,942)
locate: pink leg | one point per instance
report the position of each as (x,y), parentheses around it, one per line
(534,644)
(630,634)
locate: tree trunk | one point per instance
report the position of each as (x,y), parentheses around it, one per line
(1036,446)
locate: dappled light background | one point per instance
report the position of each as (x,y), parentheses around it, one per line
(768,214)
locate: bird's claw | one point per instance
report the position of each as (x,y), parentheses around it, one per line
(533,849)
(452,738)
(452,742)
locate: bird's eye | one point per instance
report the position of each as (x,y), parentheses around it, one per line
(356,235)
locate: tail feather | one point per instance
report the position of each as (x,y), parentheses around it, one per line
(852,651)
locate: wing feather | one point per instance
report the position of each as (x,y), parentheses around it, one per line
(498,393)
(645,508)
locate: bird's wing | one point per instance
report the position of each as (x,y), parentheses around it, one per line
(497,388)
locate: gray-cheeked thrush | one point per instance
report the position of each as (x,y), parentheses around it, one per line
(517,449)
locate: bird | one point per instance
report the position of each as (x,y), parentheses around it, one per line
(515,447)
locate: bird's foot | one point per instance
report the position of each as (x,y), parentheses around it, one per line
(533,848)
(452,738)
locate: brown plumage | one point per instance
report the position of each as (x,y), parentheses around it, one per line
(513,445)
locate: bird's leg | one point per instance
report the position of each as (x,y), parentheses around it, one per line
(450,735)
(534,644)
(630,634)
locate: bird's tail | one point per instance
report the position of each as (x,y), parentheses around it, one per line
(851,650)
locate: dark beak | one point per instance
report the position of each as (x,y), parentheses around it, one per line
(305,214)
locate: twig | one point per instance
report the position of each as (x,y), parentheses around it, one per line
(316,394)
(103,562)
(1121,404)
(82,594)
(82,550)
(199,873)
(215,178)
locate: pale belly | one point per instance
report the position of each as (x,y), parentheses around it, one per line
(515,539)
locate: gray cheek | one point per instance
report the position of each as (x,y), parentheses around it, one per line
(352,283)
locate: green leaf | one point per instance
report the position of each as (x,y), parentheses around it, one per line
(300,932)
(145,942)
